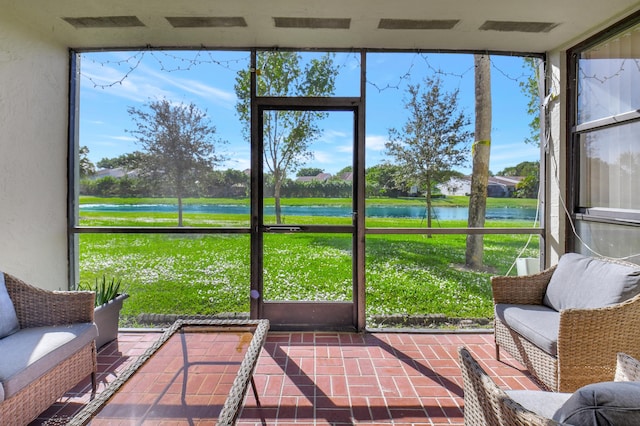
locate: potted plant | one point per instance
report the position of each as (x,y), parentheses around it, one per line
(109,298)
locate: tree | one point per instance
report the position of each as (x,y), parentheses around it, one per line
(531,88)
(178,143)
(381,180)
(86,166)
(524,168)
(432,141)
(527,187)
(129,161)
(346,169)
(309,171)
(481,153)
(288,135)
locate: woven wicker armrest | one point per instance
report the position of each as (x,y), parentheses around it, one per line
(481,394)
(515,414)
(526,290)
(589,341)
(36,307)
(627,368)
(487,404)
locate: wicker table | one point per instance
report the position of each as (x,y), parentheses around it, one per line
(223,347)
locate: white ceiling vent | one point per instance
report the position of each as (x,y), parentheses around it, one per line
(104,22)
(313,23)
(518,26)
(417,24)
(206,21)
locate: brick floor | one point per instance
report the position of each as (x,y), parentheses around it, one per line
(312,378)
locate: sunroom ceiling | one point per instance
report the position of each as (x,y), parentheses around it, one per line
(494,25)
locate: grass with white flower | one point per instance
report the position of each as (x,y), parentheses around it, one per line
(197,274)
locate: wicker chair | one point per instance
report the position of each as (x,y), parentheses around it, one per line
(487,404)
(588,339)
(36,307)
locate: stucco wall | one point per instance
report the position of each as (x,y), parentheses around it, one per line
(33,153)
(557,180)
(555,147)
(33,156)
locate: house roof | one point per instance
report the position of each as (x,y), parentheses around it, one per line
(492,25)
(496,180)
(318,177)
(506,180)
(117,172)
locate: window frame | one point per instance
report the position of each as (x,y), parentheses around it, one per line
(75,230)
(613,216)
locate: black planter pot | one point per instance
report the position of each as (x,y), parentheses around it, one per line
(106,318)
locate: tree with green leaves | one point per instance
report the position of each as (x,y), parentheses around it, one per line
(381,180)
(129,161)
(524,168)
(434,139)
(178,143)
(86,166)
(527,187)
(531,89)
(288,135)
(309,171)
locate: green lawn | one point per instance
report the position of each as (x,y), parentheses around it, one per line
(209,274)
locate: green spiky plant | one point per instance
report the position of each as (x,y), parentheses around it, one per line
(106,290)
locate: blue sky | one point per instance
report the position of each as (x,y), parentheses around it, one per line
(113,81)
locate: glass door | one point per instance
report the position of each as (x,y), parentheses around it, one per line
(306,240)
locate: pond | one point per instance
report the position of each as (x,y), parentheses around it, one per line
(414,212)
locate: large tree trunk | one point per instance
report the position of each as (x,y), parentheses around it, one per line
(480,153)
(429,209)
(179,210)
(276,196)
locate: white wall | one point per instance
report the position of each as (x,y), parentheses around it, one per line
(557,221)
(33,156)
(556,158)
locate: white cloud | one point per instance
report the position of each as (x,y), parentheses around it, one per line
(237,163)
(509,155)
(330,136)
(323,157)
(144,83)
(122,138)
(506,152)
(375,142)
(213,94)
(111,82)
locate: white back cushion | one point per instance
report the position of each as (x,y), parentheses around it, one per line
(8,319)
(584,282)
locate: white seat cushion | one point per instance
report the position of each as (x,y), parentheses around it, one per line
(536,323)
(31,352)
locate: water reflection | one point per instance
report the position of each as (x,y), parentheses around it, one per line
(414,212)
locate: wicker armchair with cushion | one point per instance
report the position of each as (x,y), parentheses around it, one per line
(566,324)
(596,404)
(47,346)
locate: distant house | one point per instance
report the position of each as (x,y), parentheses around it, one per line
(503,186)
(456,186)
(348,176)
(117,172)
(498,186)
(321,177)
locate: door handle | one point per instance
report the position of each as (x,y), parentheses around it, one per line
(283,229)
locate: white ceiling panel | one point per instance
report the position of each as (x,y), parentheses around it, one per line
(493,25)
